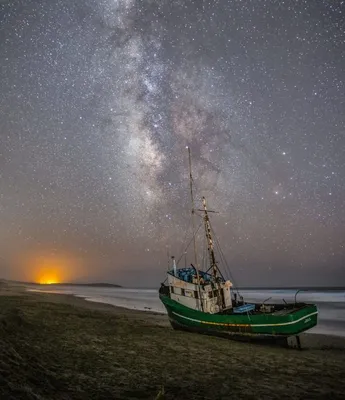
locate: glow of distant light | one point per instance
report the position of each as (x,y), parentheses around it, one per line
(48,276)
(48,282)
(47,268)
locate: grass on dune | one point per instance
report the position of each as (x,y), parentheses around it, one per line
(59,351)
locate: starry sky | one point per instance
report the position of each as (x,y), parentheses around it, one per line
(98,101)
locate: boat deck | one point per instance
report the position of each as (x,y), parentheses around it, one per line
(286,311)
(275,309)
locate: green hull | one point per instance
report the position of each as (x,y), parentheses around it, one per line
(267,325)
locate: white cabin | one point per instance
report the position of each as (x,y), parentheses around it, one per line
(207,296)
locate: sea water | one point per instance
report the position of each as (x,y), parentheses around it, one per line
(331,304)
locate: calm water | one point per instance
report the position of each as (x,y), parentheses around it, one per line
(331,304)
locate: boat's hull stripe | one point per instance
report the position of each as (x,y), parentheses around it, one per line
(252,325)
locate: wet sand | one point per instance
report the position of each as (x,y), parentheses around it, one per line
(308,340)
(57,346)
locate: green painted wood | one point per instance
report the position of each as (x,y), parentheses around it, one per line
(293,323)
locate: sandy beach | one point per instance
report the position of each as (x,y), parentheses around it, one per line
(57,346)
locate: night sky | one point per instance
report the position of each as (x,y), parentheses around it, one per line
(98,101)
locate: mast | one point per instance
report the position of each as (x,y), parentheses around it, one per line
(213,265)
(209,240)
(193,222)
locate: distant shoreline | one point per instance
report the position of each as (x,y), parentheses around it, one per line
(95,284)
(113,285)
(306,288)
(302,288)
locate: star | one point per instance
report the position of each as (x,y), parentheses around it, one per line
(101,100)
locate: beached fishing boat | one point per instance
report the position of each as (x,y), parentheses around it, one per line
(202,300)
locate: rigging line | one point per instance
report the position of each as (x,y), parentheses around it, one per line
(193,222)
(187,230)
(224,261)
(203,254)
(189,243)
(230,274)
(185,238)
(206,255)
(204,250)
(196,190)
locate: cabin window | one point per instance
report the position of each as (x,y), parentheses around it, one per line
(172,289)
(183,293)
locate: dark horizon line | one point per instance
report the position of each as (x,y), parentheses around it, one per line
(99,284)
(303,288)
(291,287)
(105,284)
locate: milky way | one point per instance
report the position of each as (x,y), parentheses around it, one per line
(100,98)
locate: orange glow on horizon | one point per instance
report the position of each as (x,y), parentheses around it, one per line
(49,272)
(49,269)
(47,281)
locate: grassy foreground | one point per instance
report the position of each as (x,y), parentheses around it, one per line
(56,350)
